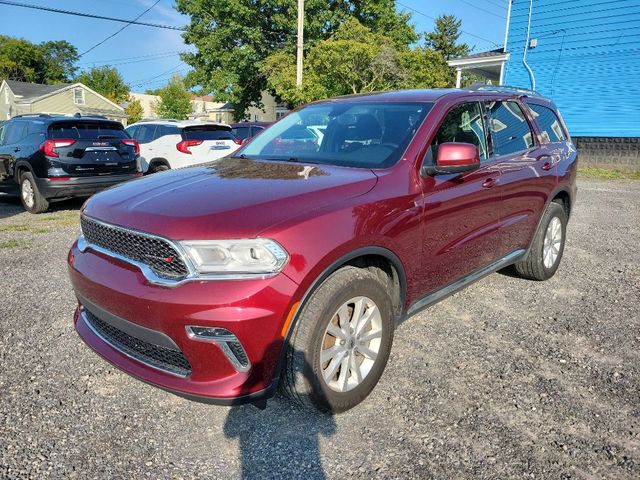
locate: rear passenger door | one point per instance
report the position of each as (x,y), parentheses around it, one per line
(526,176)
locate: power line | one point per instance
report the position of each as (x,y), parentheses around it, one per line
(482,9)
(119,30)
(498,4)
(141,58)
(434,18)
(90,15)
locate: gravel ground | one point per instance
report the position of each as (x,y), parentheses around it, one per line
(508,379)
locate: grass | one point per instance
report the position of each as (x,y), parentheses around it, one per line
(22,228)
(9,244)
(606,174)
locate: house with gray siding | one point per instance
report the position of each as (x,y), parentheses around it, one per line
(585,55)
(17,98)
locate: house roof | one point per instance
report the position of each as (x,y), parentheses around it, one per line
(491,53)
(28,90)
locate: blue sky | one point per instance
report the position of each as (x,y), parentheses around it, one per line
(147,57)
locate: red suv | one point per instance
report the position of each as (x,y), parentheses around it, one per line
(289,264)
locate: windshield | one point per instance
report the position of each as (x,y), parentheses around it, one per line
(352,134)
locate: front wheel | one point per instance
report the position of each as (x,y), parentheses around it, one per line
(341,343)
(547,247)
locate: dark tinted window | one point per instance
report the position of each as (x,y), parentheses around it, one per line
(132,131)
(16,131)
(241,132)
(207,133)
(163,130)
(256,130)
(86,130)
(509,128)
(146,133)
(464,124)
(548,123)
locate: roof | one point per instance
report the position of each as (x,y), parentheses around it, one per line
(46,118)
(180,123)
(397,96)
(28,90)
(498,52)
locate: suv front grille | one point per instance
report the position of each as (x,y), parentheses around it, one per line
(158,254)
(156,356)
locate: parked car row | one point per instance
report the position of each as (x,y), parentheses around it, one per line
(46,158)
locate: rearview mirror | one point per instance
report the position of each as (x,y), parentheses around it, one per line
(454,157)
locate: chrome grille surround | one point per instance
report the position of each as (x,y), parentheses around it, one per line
(161,260)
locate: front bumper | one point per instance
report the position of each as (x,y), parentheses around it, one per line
(79,186)
(253,310)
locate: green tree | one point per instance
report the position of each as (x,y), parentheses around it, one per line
(49,62)
(444,38)
(106,81)
(175,100)
(233,38)
(134,110)
(59,58)
(354,60)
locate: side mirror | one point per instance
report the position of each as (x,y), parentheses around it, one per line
(454,157)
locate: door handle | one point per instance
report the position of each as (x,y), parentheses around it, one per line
(17,149)
(546,166)
(489,183)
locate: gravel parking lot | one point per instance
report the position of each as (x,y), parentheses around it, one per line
(508,379)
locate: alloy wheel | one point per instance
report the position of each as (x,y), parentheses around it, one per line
(28,195)
(552,242)
(350,344)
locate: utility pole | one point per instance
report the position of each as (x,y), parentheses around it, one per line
(300,46)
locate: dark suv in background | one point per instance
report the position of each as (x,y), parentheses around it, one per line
(56,157)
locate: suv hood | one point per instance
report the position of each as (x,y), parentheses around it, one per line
(232,198)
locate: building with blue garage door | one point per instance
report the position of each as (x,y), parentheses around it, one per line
(585,55)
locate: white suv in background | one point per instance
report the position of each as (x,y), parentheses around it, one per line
(166,144)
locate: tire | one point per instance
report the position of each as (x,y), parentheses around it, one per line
(31,198)
(303,374)
(158,167)
(533,267)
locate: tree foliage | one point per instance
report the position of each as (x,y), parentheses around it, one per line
(445,36)
(354,60)
(48,62)
(175,100)
(134,111)
(234,38)
(107,81)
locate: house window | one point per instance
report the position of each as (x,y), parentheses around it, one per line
(78,96)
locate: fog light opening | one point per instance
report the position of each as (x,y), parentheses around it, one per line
(227,341)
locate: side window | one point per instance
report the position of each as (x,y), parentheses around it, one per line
(256,130)
(15,133)
(163,130)
(509,128)
(132,131)
(548,122)
(241,132)
(464,124)
(146,133)
(3,129)
(36,131)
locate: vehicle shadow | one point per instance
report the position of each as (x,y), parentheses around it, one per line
(281,441)
(10,205)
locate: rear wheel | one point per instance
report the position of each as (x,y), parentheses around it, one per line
(341,343)
(158,167)
(548,246)
(32,199)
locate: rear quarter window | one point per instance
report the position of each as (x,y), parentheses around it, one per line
(549,123)
(207,133)
(86,130)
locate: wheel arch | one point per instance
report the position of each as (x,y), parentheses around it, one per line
(19,167)
(159,161)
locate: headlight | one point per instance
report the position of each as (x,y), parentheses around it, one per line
(247,256)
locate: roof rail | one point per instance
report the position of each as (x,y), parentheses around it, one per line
(42,115)
(503,88)
(158,120)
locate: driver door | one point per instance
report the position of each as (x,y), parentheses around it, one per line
(462,211)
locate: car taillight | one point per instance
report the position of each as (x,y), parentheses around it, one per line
(134,143)
(49,146)
(237,141)
(184,145)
